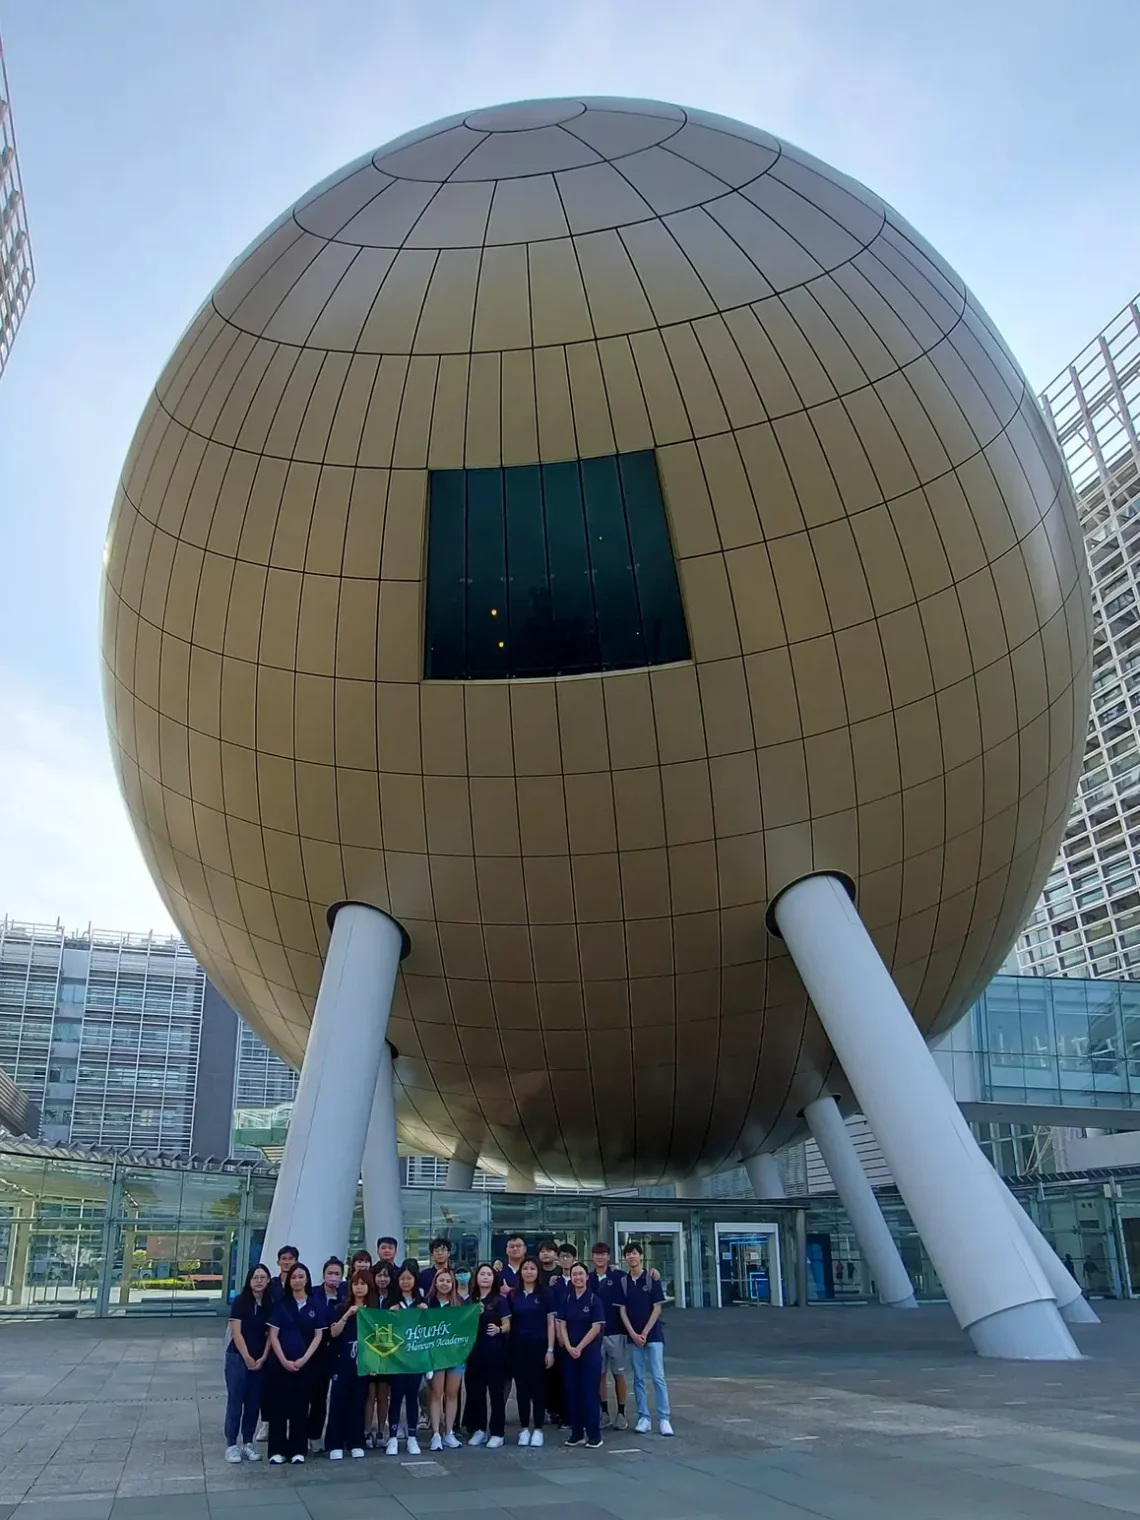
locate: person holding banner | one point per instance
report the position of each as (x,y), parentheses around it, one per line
(296,1328)
(445,1381)
(531,1349)
(486,1376)
(348,1393)
(376,1412)
(581,1324)
(404,1296)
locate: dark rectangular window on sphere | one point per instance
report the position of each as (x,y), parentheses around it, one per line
(550,570)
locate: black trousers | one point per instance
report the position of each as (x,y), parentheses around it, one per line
(348,1394)
(528,1367)
(323,1370)
(485,1380)
(288,1399)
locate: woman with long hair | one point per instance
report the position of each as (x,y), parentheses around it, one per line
(581,1324)
(404,1296)
(445,1385)
(246,1355)
(486,1376)
(296,1328)
(348,1392)
(376,1409)
(531,1349)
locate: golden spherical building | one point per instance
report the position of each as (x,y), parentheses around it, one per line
(565,528)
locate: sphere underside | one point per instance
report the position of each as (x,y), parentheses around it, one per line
(563,529)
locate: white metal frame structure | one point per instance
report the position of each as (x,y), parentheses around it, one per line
(17,272)
(1087,922)
(638,1229)
(736,1231)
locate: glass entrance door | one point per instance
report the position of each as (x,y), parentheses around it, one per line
(664,1247)
(748,1265)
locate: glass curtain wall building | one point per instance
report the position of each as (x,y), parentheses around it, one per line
(95,1234)
(102,1034)
(17,272)
(1087,922)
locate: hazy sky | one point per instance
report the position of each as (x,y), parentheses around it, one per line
(158,136)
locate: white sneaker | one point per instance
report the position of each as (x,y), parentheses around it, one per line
(336,1456)
(357,1451)
(524,1437)
(478,1439)
(413,1447)
(297,1459)
(251,1453)
(495,1441)
(644,1425)
(536,1439)
(452,1441)
(665,1428)
(436,1443)
(277,1460)
(393,1447)
(233,1453)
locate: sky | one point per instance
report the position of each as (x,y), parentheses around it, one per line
(157,137)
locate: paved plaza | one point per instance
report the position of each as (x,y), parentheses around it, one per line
(845,1414)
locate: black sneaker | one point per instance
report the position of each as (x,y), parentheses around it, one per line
(576,1441)
(593,1445)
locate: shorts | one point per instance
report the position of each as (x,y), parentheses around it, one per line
(613,1355)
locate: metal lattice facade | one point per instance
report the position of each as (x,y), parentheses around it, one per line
(17,273)
(1087,922)
(102,1032)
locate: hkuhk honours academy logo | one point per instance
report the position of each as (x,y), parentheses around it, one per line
(415,1340)
(385,1341)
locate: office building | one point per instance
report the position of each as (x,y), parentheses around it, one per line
(17,272)
(1087,922)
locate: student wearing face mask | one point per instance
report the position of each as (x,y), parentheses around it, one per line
(330,1297)
(404,1297)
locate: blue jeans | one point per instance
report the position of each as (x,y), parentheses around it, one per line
(652,1354)
(243,1400)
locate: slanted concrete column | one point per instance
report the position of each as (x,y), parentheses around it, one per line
(764,1174)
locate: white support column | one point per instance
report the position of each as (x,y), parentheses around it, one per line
(1074,1306)
(519,1180)
(986,1266)
(380,1171)
(316,1186)
(460,1174)
(858,1198)
(764,1174)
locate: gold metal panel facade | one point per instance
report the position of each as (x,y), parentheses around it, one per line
(882,577)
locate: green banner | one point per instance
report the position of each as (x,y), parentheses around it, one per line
(390,1342)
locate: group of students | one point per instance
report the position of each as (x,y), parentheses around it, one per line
(550,1327)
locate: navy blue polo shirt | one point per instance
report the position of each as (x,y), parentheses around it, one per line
(641,1293)
(296,1324)
(496,1310)
(528,1316)
(611,1290)
(343,1346)
(427,1278)
(578,1314)
(510,1278)
(277,1290)
(253,1319)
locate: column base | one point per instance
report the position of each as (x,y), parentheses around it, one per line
(1079,1312)
(903,1303)
(1033,1332)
